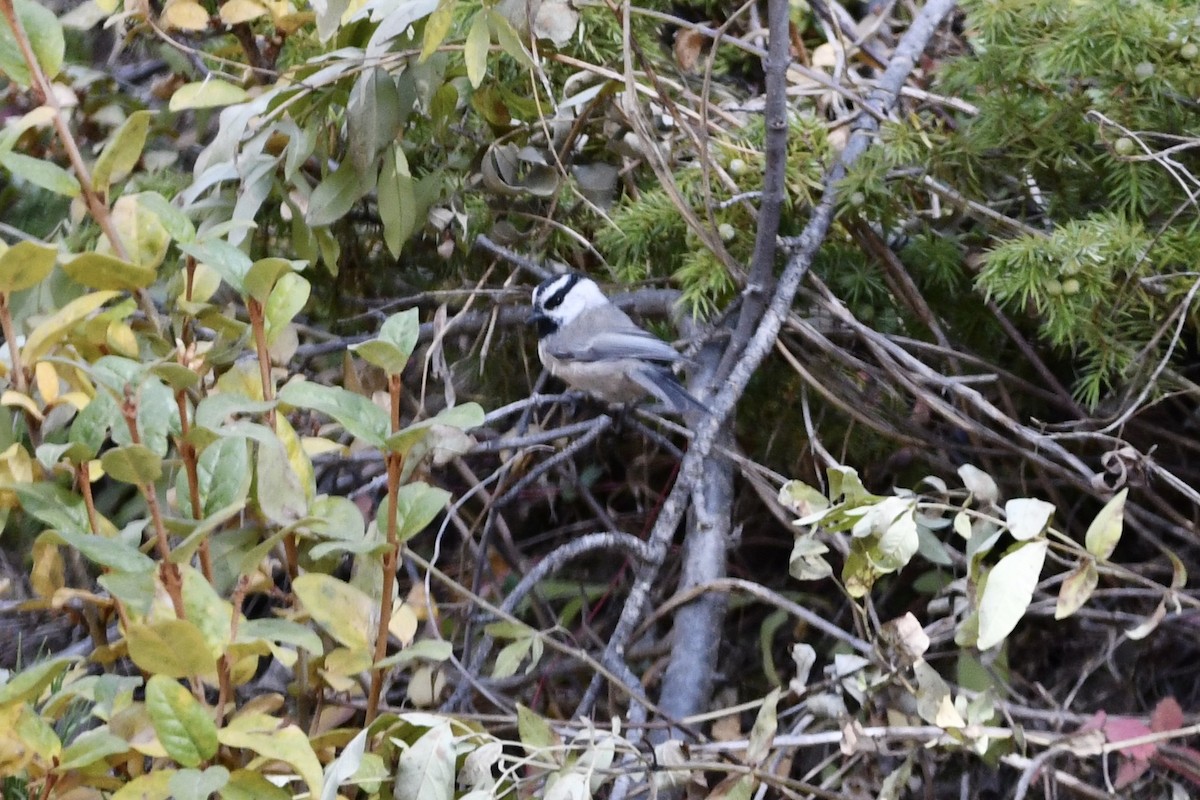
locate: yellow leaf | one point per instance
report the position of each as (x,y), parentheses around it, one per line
(297,458)
(46,378)
(475,50)
(172,647)
(121,340)
(237,11)
(403,624)
(186,15)
(342,667)
(1105,531)
(437,27)
(55,327)
(270,738)
(344,611)
(151,786)
(142,233)
(13,398)
(1076,588)
(208,93)
(77,399)
(317,445)
(48,575)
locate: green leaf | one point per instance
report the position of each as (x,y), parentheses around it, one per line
(335,195)
(1105,531)
(223,472)
(52,330)
(475,50)
(176,223)
(372,117)
(423,650)
(426,768)
(228,261)
(202,531)
(174,648)
(207,94)
(114,554)
(158,415)
(246,784)
(208,611)
(216,410)
(25,264)
(396,194)
(509,659)
(26,686)
(194,784)
(762,735)
(384,355)
(1008,592)
(403,330)
(45,38)
(287,299)
(184,727)
(54,506)
(416,506)
(358,415)
(101,271)
(134,589)
(123,150)
(535,732)
(397,338)
(463,417)
(337,518)
(260,279)
(91,425)
(508,39)
(280,494)
(283,631)
(41,173)
(90,747)
(133,463)
(139,229)
(176,376)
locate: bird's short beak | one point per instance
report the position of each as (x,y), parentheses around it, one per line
(544,324)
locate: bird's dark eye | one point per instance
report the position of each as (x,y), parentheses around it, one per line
(555,300)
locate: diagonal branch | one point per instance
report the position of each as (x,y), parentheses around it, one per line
(805,246)
(760,282)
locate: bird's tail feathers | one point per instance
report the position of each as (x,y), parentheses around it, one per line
(666,387)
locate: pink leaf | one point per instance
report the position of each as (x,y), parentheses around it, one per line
(1167,716)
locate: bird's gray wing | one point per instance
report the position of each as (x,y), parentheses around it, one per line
(613,335)
(634,343)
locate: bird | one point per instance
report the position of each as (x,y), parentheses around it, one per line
(593,346)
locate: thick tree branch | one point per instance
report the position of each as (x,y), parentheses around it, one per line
(804,249)
(761,279)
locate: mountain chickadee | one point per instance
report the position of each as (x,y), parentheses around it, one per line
(594,346)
